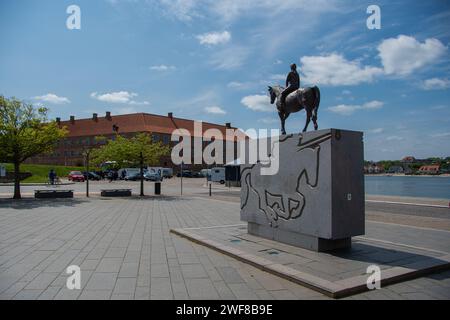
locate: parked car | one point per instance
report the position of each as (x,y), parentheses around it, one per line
(134,176)
(167,173)
(122,173)
(196,174)
(92,176)
(76,176)
(186,174)
(205,173)
(152,176)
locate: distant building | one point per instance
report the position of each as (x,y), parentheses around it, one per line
(82,135)
(431,169)
(373,169)
(395,169)
(408,159)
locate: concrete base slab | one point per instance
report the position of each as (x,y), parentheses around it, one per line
(298,239)
(338,274)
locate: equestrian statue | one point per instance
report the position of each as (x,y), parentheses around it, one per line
(294,99)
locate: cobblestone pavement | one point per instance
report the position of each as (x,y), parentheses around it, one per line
(125,251)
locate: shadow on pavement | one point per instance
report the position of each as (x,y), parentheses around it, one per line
(374,254)
(26,204)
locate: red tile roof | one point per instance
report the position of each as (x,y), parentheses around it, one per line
(434,167)
(131,123)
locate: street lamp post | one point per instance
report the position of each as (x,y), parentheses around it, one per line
(181,175)
(87,152)
(142,174)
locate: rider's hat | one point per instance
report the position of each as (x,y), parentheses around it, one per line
(293,66)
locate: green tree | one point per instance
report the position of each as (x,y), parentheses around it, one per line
(25,132)
(131,152)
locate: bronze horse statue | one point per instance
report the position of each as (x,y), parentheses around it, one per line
(307,98)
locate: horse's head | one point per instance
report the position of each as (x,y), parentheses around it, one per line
(273,95)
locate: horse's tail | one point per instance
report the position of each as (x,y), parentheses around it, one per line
(317,102)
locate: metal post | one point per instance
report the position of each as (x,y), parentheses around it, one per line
(87,174)
(142,174)
(181,175)
(210,189)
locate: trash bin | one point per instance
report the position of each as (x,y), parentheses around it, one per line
(157,187)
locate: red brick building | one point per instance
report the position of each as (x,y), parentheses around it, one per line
(82,135)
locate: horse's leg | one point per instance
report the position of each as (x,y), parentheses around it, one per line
(308,119)
(314,119)
(282,118)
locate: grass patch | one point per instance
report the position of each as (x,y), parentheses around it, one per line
(40,172)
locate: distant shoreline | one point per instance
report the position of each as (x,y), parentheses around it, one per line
(445,175)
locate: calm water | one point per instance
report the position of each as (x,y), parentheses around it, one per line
(424,187)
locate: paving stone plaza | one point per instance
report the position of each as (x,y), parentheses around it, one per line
(125,250)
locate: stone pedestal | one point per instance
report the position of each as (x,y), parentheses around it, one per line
(316,199)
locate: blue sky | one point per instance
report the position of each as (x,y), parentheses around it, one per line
(212,61)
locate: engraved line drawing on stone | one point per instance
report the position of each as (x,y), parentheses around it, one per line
(278,206)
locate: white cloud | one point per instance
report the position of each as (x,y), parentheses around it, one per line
(377,130)
(268,120)
(119,97)
(125,110)
(235,84)
(227,10)
(258,103)
(399,56)
(278,77)
(436,84)
(139,103)
(344,109)
(52,98)
(439,107)
(163,67)
(335,70)
(214,38)
(404,54)
(215,110)
(184,10)
(241,85)
(440,135)
(229,58)
(394,138)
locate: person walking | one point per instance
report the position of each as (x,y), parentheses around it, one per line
(52,176)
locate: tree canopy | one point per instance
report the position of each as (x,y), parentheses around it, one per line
(25,132)
(127,151)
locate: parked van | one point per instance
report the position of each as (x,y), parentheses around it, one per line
(156,171)
(218,175)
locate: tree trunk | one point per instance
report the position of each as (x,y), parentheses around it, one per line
(17,180)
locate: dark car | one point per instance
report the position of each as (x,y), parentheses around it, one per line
(134,176)
(152,176)
(76,176)
(92,176)
(196,174)
(186,174)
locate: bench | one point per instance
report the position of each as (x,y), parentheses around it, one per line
(116,193)
(53,194)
